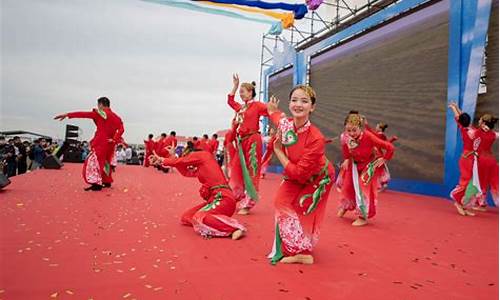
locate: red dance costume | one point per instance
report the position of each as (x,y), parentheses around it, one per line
(360,182)
(109,131)
(162,144)
(230,152)
(266,159)
(212,218)
(488,165)
(149,146)
(385,177)
(245,168)
(467,193)
(300,202)
(205,145)
(214,146)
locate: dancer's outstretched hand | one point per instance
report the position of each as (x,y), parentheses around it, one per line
(61,117)
(272,105)
(236,80)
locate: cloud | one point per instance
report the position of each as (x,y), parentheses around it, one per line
(163,68)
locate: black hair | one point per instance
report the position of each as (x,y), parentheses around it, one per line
(464,119)
(489,120)
(172,133)
(215,135)
(382,126)
(189,148)
(164,135)
(150,135)
(104,101)
(205,136)
(195,138)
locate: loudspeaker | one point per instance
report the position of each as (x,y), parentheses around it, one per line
(72,127)
(71,131)
(4,181)
(52,162)
(74,156)
(71,142)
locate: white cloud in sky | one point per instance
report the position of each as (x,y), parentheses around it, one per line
(163,68)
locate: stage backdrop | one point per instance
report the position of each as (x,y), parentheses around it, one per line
(280,84)
(396,74)
(488,102)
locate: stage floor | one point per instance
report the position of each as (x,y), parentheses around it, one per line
(59,242)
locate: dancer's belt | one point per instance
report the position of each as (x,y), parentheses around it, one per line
(465,155)
(313,178)
(246,136)
(220,186)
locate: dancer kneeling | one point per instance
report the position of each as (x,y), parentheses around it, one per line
(213,218)
(308,178)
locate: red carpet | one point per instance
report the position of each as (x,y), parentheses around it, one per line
(59,242)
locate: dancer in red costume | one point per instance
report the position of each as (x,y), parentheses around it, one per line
(268,154)
(97,167)
(488,164)
(245,171)
(300,202)
(229,151)
(468,190)
(171,141)
(149,146)
(161,146)
(214,144)
(205,144)
(385,177)
(361,169)
(213,217)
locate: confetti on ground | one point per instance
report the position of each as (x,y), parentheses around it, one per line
(88,238)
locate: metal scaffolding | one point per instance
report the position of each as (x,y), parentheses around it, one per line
(331,17)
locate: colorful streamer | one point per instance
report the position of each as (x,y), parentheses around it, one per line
(299,10)
(287,19)
(276,27)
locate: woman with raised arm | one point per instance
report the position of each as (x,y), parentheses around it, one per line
(245,172)
(468,190)
(308,177)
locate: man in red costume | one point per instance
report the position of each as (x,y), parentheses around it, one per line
(205,144)
(161,145)
(149,145)
(171,141)
(214,144)
(109,131)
